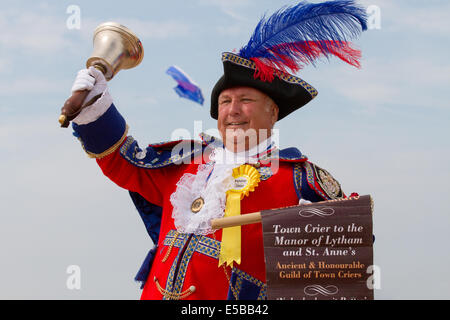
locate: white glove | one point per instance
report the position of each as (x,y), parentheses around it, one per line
(90,79)
(303,201)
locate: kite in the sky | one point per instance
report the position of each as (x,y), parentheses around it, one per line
(186,87)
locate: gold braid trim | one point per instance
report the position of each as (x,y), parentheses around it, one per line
(170,247)
(109,150)
(174,296)
(228,56)
(235,294)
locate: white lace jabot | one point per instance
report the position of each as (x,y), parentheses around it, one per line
(210,183)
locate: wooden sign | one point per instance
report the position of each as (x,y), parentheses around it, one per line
(319,251)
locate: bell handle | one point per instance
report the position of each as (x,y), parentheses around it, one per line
(73,106)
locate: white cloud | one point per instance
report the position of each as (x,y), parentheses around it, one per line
(144,29)
(429,21)
(431,17)
(4,65)
(31,31)
(381,84)
(157,29)
(230,30)
(45,32)
(240,24)
(228,7)
(31,85)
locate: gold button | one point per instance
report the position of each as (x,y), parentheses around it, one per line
(197,205)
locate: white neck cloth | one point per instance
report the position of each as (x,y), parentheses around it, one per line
(211,183)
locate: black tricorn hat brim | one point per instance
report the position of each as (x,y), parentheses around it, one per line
(287,91)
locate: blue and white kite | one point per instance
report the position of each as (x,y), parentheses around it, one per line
(186,87)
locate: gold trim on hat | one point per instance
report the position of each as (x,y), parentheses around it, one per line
(231,57)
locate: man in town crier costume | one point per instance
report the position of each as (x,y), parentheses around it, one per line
(177,193)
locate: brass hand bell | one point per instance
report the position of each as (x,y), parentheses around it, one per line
(115,48)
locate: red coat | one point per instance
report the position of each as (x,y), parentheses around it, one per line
(185,266)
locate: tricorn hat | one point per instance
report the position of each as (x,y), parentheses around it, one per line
(286,41)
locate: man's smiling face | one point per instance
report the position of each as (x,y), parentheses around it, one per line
(242,109)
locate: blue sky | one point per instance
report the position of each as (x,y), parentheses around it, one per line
(380,130)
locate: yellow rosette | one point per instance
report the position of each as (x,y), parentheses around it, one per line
(246,178)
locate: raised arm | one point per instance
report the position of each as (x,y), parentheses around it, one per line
(102,132)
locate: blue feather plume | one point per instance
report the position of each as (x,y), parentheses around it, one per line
(287,35)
